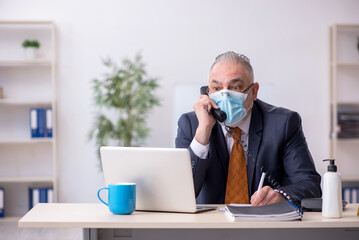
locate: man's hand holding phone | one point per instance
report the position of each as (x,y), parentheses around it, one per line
(206,121)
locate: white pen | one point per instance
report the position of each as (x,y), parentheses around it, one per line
(261,182)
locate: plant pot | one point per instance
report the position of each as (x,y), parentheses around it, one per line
(30,53)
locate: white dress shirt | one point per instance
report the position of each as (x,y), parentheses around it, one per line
(201,151)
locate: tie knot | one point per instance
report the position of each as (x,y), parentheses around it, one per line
(235,133)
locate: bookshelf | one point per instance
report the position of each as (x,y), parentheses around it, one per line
(344,101)
(26,162)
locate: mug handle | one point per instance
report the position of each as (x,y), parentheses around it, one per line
(98,194)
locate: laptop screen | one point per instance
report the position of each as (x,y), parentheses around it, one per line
(163,176)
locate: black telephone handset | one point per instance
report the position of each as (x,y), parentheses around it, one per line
(218,114)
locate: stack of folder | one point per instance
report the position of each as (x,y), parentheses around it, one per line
(350,194)
(348,121)
(40,195)
(41,122)
(282,211)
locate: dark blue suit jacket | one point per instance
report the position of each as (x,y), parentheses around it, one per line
(276,145)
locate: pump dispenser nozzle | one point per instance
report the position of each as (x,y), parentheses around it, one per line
(331,167)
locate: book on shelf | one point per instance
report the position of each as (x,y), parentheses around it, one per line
(2,202)
(353,117)
(348,128)
(41,122)
(40,195)
(348,135)
(348,112)
(282,211)
(49,122)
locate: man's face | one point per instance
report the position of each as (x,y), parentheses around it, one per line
(232,76)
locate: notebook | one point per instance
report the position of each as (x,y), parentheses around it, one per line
(163,176)
(282,211)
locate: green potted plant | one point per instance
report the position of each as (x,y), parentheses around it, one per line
(30,46)
(129,94)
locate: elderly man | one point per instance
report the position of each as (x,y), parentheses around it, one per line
(228,157)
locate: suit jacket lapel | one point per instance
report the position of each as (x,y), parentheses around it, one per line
(255,137)
(220,147)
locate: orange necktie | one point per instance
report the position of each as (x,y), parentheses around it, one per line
(237,181)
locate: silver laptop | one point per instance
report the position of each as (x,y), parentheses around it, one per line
(163,176)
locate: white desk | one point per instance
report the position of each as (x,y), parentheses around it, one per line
(206,225)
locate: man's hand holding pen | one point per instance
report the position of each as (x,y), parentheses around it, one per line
(265,195)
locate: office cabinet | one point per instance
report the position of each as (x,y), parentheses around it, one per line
(25,161)
(344,101)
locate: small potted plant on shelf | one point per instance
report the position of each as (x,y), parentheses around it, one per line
(30,46)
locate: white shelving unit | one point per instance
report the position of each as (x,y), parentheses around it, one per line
(344,88)
(24,161)
(25,63)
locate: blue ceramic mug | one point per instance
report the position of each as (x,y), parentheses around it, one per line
(121,197)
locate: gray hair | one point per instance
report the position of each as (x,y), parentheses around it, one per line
(234,57)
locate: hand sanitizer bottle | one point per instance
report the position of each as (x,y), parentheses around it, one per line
(332,192)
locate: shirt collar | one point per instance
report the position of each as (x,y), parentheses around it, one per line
(243,125)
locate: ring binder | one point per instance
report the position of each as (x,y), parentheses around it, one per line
(2,202)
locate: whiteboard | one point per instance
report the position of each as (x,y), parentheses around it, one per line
(185,95)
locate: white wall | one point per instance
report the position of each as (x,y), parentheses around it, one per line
(287,42)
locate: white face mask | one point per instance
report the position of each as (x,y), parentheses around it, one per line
(231,102)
